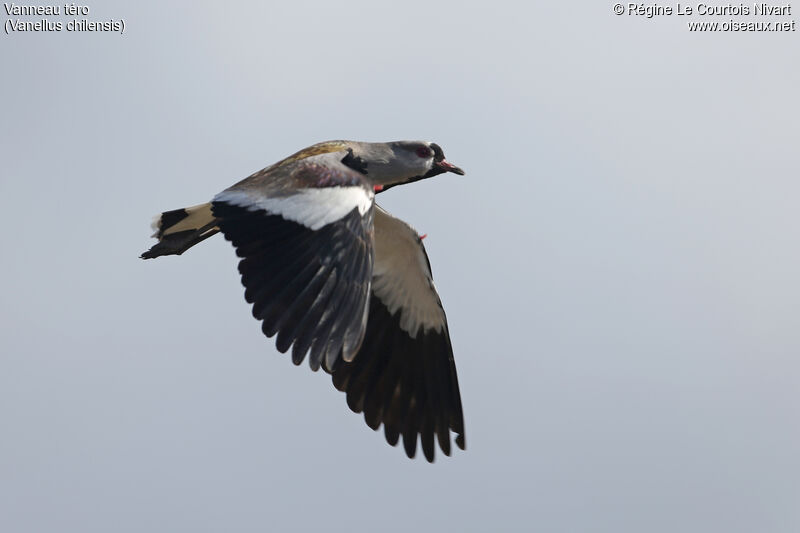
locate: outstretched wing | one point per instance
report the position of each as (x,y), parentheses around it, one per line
(404,375)
(304,233)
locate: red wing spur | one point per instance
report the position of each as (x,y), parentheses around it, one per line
(341,281)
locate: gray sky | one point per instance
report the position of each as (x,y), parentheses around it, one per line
(619,268)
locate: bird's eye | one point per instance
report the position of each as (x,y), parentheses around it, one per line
(424,152)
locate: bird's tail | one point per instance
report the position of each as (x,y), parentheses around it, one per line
(180,229)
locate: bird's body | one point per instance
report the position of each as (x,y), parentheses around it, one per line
(339,279)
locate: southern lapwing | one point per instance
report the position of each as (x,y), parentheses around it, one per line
(341,280)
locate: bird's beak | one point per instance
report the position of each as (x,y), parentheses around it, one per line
(446,166)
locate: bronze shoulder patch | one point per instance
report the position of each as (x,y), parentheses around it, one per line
(316,149)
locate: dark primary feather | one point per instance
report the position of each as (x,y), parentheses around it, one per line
(407,384)
(309,287)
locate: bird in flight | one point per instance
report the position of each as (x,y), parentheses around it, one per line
(341,280)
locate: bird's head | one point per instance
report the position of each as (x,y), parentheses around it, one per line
(399,162)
